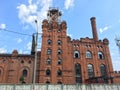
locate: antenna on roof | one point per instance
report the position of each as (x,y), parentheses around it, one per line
(54,14)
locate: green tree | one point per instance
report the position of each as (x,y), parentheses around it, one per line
(22,79)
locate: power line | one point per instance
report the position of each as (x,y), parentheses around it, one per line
(15,32)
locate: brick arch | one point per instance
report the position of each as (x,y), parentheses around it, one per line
(1,73)
(24,67)
(103,70)
(101,55)
(78,72)
(27,78)
(76,54)
(89,54)
(90,68)
(24,60)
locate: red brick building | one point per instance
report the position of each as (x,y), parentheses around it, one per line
(61,60)
(13,66)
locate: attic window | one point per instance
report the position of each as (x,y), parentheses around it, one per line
(22,61)
(76,54)
(29,61)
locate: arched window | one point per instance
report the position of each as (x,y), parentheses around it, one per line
(59,72)
(24,73)
(100,55)
(103,70)
(4,60)
(0,72)
(22,61)
(90,71)
(59,61)
(48,61)
(59,42)
(49,42)
(78,74)
(29,62)
(88,54)
(47,82)
(49,51)
(59,82)
(59,51)
(76,54)
(59,30)
(48,72)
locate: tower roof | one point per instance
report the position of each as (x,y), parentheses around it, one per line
(54,14)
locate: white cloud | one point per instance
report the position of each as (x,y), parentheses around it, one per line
(119,21)
(20,51)
(2,26)
(19,40)
(68,4)
(116,64)
(3,50)
(104,29)
(69,35)
(29,46)
(29,13)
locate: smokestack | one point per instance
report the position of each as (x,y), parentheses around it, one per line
(94,29)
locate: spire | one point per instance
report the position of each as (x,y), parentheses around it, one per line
(33,45)
(94,29)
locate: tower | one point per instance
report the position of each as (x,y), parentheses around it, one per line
(54,41)
(94,29)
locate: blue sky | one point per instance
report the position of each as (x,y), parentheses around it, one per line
(19,16)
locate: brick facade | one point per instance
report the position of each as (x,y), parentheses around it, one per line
(62,59)
(13,65)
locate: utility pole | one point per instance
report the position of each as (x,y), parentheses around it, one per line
(36,43)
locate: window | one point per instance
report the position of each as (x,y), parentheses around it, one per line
(0,72)
(59,42)
(88,54)
(29,61)
(90,71)
(22,61)
(78,75)
(103,70)
(77,69)
(59,72)
(24,73)
(59,51)
(59,61)
(49,30)
(76,54)
(48,61)
(59,30)
(47,82)
(4,60)
(49,42)
(49,51)
(48,72)
(100,55)
(59,82)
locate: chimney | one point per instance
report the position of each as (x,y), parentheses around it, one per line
(94,29)
(33,45)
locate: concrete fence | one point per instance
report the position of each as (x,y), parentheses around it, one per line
(60,87)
